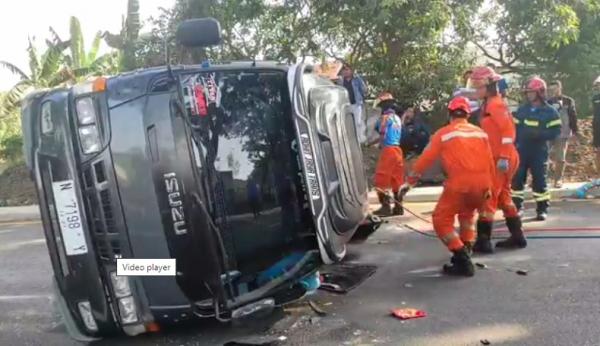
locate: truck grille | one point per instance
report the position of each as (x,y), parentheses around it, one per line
(100,210)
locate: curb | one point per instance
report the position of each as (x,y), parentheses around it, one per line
(432,194)
(19,214)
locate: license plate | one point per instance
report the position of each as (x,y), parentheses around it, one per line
(69,217)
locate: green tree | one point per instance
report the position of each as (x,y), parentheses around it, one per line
(555,39)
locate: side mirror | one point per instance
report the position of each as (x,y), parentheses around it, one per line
(199,32)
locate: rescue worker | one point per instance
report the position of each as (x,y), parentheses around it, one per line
(389,172)
(538,123)
(467,159)
(497,122)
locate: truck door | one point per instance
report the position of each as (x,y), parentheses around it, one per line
(331,159)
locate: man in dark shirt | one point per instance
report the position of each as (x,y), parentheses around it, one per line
(415,134)
(568,115)
(357,92)
(350,89)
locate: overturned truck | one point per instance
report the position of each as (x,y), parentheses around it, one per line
(231,169)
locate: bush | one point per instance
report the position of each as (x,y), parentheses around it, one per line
(11,148)
(11,139)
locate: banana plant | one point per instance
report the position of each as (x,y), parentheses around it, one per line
(84,63)
(46,70)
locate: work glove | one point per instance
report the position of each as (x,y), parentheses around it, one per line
(503,165)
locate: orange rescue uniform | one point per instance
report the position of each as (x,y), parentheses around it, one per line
(469,165)
(389,172)
(498,124)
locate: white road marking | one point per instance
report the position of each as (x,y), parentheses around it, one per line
(4,231)
(425,270)
(24,297)
(16,245)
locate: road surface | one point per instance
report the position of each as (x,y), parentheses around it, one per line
(557,303)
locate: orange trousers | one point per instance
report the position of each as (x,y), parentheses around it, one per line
(461,202)
(501,194)
(389,173)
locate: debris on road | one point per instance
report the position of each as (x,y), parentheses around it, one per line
(316,308)
(408,285)
(522,272)
(485,342)
(343,277)
(481,265)
(258,341)
(408,313)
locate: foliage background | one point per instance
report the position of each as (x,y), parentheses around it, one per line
(417,49)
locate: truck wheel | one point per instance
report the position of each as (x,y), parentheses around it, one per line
(70,324)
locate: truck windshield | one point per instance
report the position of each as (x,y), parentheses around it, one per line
(247,145)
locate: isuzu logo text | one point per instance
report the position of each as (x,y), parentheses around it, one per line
(175,203)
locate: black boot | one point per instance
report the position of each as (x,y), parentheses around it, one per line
(542,210)
(517,237)
(469,247)
(398,209)
(519,205)
(483,243)
(385,209)
(461,264)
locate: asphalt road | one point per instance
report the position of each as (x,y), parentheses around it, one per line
(557,303)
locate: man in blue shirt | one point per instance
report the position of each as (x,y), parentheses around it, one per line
(389,173)
(537,124)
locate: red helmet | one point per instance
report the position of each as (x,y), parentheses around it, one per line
(483,75)
(460,103)
(536,84)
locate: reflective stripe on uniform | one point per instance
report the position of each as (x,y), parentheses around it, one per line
(518,194)
(507,140)
(486,215)
(556,122)
(540,197)
(449,237)
(463,134)
(531,122)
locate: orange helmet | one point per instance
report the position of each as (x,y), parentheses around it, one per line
(482,75)
(460,103)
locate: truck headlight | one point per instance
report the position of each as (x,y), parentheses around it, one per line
(86,111)
(89,138)
(120,285)
(127,310)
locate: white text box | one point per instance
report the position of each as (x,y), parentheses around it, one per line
(146,267)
